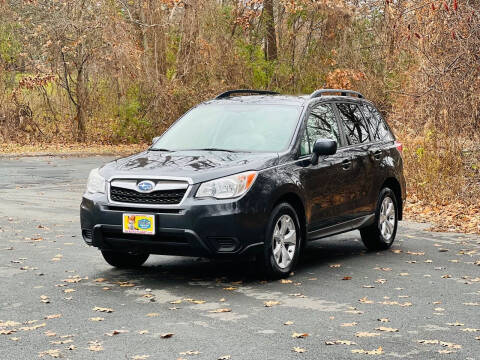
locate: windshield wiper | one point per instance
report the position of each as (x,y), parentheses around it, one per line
(154,149)
(213,149)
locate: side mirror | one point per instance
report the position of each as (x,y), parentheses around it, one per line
(154,140)
(323,147)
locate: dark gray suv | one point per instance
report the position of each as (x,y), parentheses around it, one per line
(251,173)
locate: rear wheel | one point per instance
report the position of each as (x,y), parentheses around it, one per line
(124,260)
(282,242)
(381,234)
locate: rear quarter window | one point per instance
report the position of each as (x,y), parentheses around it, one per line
(378,128)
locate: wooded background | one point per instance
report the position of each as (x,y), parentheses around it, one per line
(120,71)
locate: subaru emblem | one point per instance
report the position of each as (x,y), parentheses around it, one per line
(145,186)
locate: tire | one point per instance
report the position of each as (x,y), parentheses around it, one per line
(381,234)
(282,246)
(123,259)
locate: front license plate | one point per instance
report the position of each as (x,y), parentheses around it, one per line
(139,224)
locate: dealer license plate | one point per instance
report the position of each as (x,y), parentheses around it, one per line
(139,224)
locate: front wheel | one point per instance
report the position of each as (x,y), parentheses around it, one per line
(123,259)
(283,241)
(381,234)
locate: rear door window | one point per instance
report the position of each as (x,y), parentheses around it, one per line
(378,128)
(355,127)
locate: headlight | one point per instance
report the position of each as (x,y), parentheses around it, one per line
(96,182)
(227,187)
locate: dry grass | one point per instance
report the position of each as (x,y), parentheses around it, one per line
(14,149)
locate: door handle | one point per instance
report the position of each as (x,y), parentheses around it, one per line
(346,164)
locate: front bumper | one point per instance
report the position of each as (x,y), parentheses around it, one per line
(207,228)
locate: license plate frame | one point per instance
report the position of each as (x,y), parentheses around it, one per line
(141,224)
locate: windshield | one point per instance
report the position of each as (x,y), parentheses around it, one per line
(231,127)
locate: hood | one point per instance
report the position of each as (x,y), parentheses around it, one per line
(200,166)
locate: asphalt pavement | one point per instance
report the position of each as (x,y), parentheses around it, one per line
(58,298)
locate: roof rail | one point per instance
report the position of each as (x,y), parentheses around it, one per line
(227,94)
(318,93)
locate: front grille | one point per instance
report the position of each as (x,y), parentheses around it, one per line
(161,197)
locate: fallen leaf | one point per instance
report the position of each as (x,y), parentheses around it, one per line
(224,357)
(27,328)
(193,301)
(102,309)
(347,278)
(166,335)
(450,345)
(95,346)
(54,353)
(116,332)
(97,319)
(299,335)
(383,268)
(455,324)
(288,323)
(366,334)
(55,316)
(224,310)
(378,351)
(335,265)
(298,349)
(286,281)
(365,300)
(340,342)
(415,253)
(349,324)
(383,320)
(152,314)
(271,303)
(9,323)
(230,288)
(428,342)
(190,352)
(386,329)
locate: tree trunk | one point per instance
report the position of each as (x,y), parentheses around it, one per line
(271,38)
(80,106)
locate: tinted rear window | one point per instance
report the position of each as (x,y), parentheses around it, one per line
(356,131)
(378,128)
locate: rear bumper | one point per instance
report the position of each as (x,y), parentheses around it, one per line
(208,229)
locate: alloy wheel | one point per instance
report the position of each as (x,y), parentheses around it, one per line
(284,241)
(386,222)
